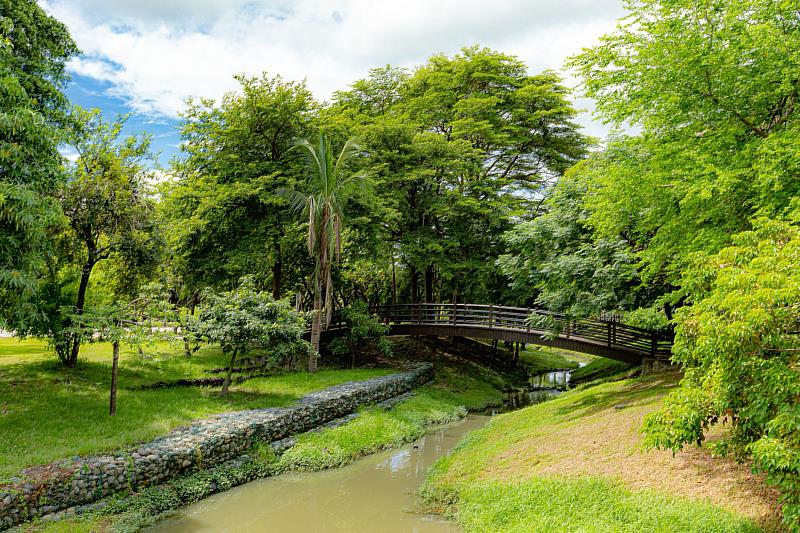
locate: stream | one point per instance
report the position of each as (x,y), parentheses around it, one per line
(377,493)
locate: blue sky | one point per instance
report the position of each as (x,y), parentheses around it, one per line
(146,57)
(164,130)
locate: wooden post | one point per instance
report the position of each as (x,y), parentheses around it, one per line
(455,312)
(609,333)
(491,315)
(112,405)
(528,320)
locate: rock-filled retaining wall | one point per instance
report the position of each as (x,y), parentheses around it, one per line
(207,443)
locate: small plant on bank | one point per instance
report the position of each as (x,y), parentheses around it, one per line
(246,318)
(362,328)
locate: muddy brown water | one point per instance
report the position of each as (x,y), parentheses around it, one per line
(377,493)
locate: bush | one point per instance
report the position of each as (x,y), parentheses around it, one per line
(647,318)
(362,328)
(738,341)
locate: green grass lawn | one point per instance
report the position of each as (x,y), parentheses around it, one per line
(598,369)
(532,470)
(540,359)
(48,412)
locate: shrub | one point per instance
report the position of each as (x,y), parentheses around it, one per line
(739,343)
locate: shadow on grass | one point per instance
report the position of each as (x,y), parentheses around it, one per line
(636,391)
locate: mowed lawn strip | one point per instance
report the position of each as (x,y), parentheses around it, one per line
(48,413)
(575,463)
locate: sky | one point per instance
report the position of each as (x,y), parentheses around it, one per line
(146,57)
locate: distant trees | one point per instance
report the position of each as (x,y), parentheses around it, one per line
(460,147)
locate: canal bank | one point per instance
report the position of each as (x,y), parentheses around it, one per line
(460,383)
(576,463)
(375,493)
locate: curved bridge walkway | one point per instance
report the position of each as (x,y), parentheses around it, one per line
(605,337)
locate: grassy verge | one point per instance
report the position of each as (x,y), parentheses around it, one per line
(48,412)
(575,463)
(600,368)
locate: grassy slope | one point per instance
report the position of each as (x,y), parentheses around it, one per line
(575,464)
(541,359)
(49,413)
(598,369)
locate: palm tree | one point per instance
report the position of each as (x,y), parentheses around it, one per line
(330,185)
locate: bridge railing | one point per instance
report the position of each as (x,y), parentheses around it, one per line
(602,331)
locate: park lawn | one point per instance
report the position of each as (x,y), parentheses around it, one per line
(575,463)
(541,359)
(49,413)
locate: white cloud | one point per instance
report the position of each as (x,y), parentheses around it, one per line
(156,53)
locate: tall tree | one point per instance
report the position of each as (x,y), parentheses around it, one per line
(330,184)
(107,203)
(459,146)
(236,154)
(33,115)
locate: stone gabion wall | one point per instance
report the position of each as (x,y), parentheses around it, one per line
(207,443)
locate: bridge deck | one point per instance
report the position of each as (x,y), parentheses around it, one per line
(605,337)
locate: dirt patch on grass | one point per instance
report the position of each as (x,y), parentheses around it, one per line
(607,441)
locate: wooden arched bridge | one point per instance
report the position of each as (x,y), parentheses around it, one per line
(605,336)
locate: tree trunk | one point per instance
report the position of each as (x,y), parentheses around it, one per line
(186,345)
(86,272)
(429,284)
(316,328)
(414,287)
(112,405)
(227,381)
(277,274)
(394,282)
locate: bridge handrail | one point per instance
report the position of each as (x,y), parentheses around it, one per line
(610,332)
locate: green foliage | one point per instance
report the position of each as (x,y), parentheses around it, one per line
(738,341)
(362,327)
(34,48)
(228,220)
(457,147)
(706,198)
(245,318)
(110,215)
(647,318)
(556,261)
